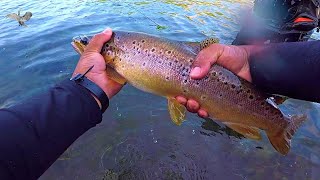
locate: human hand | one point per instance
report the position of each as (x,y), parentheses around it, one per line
(234,58)
(98,75)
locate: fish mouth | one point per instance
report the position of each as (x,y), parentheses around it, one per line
(79,43)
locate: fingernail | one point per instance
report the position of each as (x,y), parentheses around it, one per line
(195,72)
(107,31)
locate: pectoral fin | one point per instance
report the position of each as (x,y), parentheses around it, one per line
(207,42)
(246,131)
(112,74)
(177,111)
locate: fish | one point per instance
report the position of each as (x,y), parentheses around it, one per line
(162,66)
(21,19)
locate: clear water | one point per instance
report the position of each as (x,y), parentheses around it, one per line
(136,139)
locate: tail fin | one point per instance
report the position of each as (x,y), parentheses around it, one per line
(282,141)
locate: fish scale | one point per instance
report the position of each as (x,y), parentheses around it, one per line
(162,66)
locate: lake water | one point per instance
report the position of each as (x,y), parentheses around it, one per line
(136,139)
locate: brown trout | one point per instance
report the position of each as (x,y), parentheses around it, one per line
(162,66)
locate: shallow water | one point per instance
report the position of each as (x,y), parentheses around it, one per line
(138,140)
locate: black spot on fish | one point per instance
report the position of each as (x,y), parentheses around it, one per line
(107,45)
(214,73)
(133,42)
(203,97)
(198,83)
(152,50)
(169,52)
(170,63)
(167,78)
(144,64)
(259,147)
(248,91)
(220,73)
(233,86)
(143,41)
(185,81)
(220,95)
(251,97)
(185,91)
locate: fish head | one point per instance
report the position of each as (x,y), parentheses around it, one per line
(108,51)
(79,43)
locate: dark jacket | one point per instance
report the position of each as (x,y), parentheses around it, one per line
(35,133)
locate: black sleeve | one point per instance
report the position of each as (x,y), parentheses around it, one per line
(35,133)
(290,69)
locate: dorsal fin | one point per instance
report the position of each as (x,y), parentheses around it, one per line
(207,42)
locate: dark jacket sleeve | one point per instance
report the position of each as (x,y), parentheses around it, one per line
(290,69)
(35,133)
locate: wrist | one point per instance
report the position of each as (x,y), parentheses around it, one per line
(97,100)
(102,84)
(247,50)
(96,91)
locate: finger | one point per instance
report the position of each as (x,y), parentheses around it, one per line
(98,40)
(182,100)
(193,106)
(205,59)
(202,113)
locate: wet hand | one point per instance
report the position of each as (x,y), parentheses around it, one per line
(234,58)
(91,56)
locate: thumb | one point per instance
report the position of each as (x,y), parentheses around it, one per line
(98,40)
(205,59)
(202,64)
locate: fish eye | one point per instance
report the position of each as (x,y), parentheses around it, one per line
(84,40)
